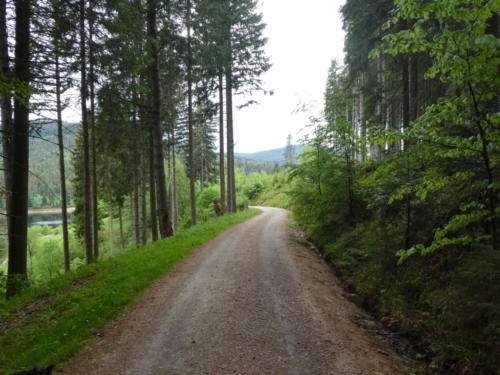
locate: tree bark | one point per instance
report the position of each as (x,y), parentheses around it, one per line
(231,191)
(18,228)
(93,164)
(407,117)
(62,168)
(87,196)
(192,193)
(142,177)
(120,220)
(132,211)
(111,234)
(6,109)
(152,192)
(154,81)
(137,214)
(175,212)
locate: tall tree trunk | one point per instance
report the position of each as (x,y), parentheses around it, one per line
(152,192)
(231,191)
(192,193)
(154,81)
(137,214)
(175,212)
(142,177)
(413,87)
(18,228)
(406,126)
(132,211)
(120,221)
(6,108)
(485,154)
(362,122)
(93,164)
(111,234)
(87,196)
(406,100)
(62,169)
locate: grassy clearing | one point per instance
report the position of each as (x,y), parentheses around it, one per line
(275,194)
(49,324)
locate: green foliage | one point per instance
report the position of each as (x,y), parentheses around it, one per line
(205,202)
(254,191)
(399,182)
(459,128)
(44,183)
(73,306)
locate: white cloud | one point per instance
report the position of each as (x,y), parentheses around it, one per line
(304,37)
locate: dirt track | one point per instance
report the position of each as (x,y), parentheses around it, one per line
(250,301)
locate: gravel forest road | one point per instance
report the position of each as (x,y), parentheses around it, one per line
(250,301)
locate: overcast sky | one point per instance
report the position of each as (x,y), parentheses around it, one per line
(304,36)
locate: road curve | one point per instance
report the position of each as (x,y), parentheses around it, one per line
(250,301)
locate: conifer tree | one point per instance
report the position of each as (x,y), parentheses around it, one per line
(18,222)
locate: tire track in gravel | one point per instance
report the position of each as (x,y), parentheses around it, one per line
(250,301)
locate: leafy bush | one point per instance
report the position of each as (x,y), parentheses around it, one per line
(254,191)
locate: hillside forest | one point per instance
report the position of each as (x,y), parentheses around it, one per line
(156,84)
(397,183)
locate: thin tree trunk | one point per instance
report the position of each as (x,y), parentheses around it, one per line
(406,100)
(192,193)
(62,169)
(111,234)
(175,212)
(154,81)
(93,164)
(18,228)
(152,192)
(137,214)
(87,197)
(406,144)
(132,213)
(349,186)
(485,154)
(142,176)
(414,104)
(231,191)
(6,109)
(120,220)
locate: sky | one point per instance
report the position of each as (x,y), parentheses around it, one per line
(304,36)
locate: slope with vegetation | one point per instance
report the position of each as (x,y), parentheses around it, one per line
(399,184)
(49,323)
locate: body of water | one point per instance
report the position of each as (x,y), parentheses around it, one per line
(52,220)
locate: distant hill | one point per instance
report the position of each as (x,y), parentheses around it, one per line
(44,184)
(276,156)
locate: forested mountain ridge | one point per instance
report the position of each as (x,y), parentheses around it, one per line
(276,155)
(44,188)
(44,184)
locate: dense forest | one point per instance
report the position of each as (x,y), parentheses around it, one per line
(397,184)
(155,83)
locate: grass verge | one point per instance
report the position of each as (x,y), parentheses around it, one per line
(48,325)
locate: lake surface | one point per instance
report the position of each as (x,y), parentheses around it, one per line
(52,220)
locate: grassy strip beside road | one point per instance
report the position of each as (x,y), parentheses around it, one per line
(50,324)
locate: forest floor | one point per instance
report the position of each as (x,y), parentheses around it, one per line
(250,301)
